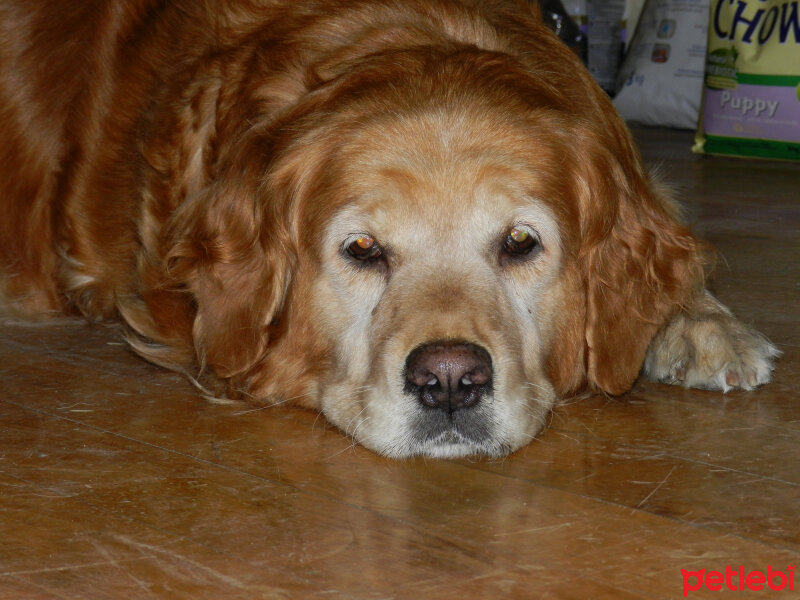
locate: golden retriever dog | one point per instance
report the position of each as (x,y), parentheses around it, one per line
(420,217)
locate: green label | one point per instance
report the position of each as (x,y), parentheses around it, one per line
(751,147)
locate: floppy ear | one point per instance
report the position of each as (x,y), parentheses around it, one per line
(639,264)
(229,249)
(566,361)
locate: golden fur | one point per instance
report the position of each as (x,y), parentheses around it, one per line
(199,168)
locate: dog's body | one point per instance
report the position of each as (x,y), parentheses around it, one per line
(421,217)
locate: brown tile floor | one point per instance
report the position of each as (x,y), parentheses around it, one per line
(116,481)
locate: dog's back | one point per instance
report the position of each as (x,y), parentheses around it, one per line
(112,113)
(75,83)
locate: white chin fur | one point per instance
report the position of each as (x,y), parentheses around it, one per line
(449,445)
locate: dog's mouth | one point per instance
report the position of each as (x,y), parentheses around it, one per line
(461,433)
(452,444)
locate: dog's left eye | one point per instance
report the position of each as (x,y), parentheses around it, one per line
(364,248)
(520,241)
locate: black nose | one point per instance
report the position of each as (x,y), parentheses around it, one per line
(448,375)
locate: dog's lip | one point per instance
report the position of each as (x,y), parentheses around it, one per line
(451,436)
(454,444)
(453,432)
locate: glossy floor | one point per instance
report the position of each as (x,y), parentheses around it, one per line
(117,481)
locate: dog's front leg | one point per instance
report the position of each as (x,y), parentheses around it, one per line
(705,346)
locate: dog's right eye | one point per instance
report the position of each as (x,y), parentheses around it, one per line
(364,248)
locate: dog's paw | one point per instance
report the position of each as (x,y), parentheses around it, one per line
(710,349)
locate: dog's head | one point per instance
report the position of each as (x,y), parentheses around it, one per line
(443,244)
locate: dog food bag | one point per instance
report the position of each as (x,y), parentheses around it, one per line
(630,20)
(751,92)
(661,79)
(604,32)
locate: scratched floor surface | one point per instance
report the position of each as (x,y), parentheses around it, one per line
(117,481)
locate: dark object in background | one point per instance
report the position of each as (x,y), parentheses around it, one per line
(556,18)
(605,34)
(598,41)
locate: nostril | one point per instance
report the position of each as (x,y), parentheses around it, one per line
(448,375)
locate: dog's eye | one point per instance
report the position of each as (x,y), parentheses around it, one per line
(520,241)
(364,247)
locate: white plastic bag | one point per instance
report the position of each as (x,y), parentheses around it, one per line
(661,78)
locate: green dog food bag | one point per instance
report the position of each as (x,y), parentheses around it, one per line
(751,91)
